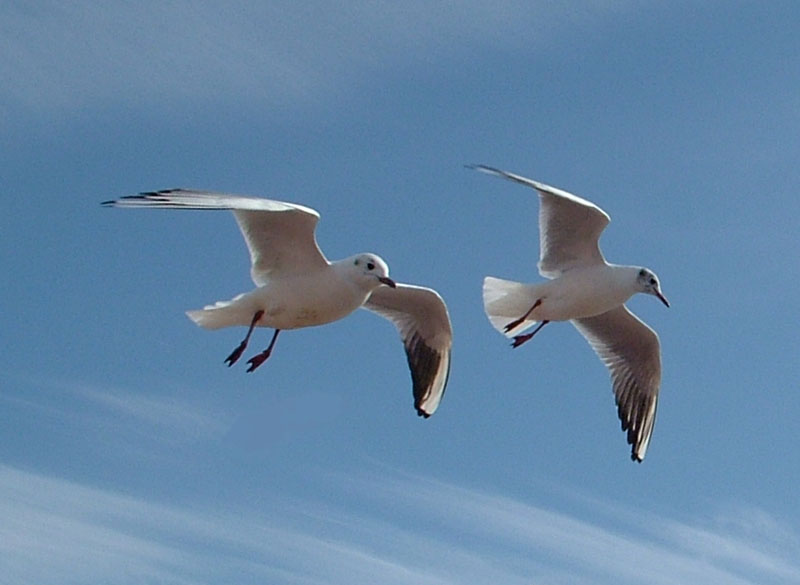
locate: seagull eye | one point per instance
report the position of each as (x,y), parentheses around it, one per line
(652,281)
(356,262)
(370,266)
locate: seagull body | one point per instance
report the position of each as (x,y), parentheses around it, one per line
(577,293)
(325,295)
(591,293)
(296,286)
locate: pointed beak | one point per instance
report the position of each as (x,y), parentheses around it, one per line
(389,282)
(662,298)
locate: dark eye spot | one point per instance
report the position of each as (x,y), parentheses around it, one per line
(356,262)
(642,272)
(652,281)
(370,266)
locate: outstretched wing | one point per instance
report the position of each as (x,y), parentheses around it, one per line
(420,316)
(632,353)
(279,235)
(569,226)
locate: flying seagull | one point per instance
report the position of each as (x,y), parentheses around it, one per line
(296,286)
(590,292)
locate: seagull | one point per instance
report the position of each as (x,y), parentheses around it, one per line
(296,286)
(590,292)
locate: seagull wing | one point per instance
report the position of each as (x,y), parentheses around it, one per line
(420,316)
(279,235)
(631,351)
(569,226)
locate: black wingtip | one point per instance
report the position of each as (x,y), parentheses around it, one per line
(112,202)
(485,169)
(159,192)
(144,196)
(476,167)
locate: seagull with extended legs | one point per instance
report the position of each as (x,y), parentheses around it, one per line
(296,286)
(590,292)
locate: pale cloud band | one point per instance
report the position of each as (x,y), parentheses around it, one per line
(446,534)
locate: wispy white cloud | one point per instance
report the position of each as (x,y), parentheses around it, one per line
(746,540)
(82,54)
(53,528)
(157,412)
(396,530)
(625,546)
(168,415)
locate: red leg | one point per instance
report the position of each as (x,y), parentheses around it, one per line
(518,322)
(260,358)
(237,353)
(520,339)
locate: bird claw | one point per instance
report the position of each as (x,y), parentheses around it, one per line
(235,354)
(520,339)
(257,360)
(518,322)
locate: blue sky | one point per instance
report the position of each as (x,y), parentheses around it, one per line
(130,453)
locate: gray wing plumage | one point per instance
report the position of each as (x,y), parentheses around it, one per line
(279,235)
(631,351)
(421,317)
(569,226)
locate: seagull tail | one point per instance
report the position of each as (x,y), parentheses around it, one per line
(506,300)
(222,314)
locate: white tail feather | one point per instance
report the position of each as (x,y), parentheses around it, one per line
(505,301)
(222,314)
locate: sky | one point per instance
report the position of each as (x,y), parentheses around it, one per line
(129,453)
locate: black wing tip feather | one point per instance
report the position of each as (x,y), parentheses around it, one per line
(631,420)
(424,362)
(540,187)
(484,168)
(148,194)
(143,196)
(632,435)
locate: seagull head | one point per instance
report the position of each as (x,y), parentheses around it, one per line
(371,270)
(648,283)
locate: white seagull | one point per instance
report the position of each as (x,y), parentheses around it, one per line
(296,286)
(590,292)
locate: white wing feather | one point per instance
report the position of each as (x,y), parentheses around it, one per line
(421,318)
(279,235)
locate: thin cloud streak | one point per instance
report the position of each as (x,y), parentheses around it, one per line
(52,528)
(754,549)
(159,411)
(91,408)
(445,535)
(630,546)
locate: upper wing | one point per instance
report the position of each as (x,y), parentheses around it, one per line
(420,316)
(632,353)
(569,226)
(279,235)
